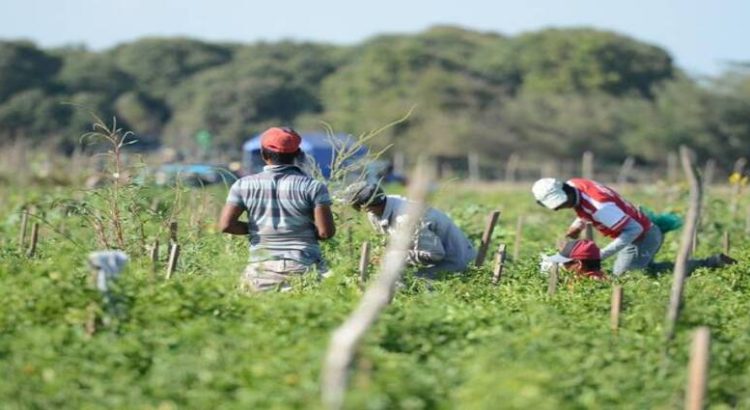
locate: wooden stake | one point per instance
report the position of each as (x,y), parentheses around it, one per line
(626,170)
(688,233)
(511,168)
(497,272)
(155,253)
(34,239)
(726,243)
(173,233)
(588,232)
(345,339)
(174,255)
(25,229)
(364,262)
(473,167)
(698,369)
(519,236)
(486,238)
(552,284)
(587,165)
(616,308)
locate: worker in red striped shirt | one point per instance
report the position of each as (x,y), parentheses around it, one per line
(635,239)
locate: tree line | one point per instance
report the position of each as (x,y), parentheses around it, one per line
(549,93)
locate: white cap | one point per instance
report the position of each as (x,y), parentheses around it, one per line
(549,192)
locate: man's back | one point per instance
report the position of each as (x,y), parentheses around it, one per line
(280,204)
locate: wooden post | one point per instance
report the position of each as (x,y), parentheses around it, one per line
(364,262)
(173,233)
(511,168)
(726,243)
(519,236)
(174,255)
(486,238)
(24,229)
(688,233)
(626,170)
(345,339)
(739,169)
(34,239)
(588,232)
(473,167)
(155,254)
(616,308)
(552,284)
(587,165)
(349,242)
(708,174)
(698,369)
(497,272)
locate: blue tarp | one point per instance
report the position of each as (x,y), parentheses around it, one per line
(319,146)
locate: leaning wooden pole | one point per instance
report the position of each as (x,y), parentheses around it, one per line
(688,232)
(378,295)
(698,369)
(486,238)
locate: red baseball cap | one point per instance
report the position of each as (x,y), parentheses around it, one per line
(283,140)
(581,249)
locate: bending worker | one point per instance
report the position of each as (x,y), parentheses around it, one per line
(439,245)
(636,239)
(287,210)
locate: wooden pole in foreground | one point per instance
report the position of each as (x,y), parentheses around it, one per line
(616,308)
(726,242)
(173,233)
(552,284)
(698,369)
(174,255)
(519,236)
(688,233)
(377,296)
(25,229)
(497,272)
(364,262)
(34,239)
(486,238)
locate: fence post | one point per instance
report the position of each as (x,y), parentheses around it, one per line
(173,232)
(473,167)
(726,242)
(155,254)
(616,308)
(552,283)
(34,239)
(25,228)
(626,170)
(511,168)
(497,273)
(364,262)
(174,255)
(519,237)
(698,369)
(587,165)
(486,238)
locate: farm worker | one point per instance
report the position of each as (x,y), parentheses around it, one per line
(438,246)
(635,238)
(582,257)
(287,212)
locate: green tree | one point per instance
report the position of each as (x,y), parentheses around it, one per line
(23,66)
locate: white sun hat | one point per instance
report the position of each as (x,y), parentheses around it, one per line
(549,192)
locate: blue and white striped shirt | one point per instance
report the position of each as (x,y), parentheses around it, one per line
(280,204)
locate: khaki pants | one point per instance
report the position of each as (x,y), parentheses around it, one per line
(274,275)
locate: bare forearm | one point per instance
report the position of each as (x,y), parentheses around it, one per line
(236,228)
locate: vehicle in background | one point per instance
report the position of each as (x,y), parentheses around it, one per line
(320,149)
(193,174)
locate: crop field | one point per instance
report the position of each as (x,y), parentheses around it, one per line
(197,341)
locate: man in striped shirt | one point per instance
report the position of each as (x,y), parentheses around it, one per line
(287,211)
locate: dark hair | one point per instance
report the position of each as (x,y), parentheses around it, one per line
(591,265)
(570,192)
(278,158)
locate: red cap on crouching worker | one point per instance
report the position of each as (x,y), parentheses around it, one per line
(581,249)
(282,140)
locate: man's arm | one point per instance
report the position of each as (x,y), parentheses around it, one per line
(574,230)
(229,221)
(630,232)
(324,224)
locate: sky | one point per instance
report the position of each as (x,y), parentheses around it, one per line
(702,35)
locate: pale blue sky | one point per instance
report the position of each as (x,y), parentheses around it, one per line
(701,35)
